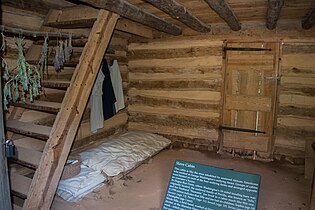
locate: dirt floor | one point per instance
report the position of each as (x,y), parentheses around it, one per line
(282,186)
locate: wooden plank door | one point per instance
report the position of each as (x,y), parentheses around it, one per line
(249,95)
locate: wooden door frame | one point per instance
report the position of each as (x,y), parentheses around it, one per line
(5,198)
(277,67)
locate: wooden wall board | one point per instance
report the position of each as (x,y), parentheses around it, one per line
(114,126)
(188,96)
(19,18)
(175,85)
(204,134)
(117,120)
(295,125)
(178,62)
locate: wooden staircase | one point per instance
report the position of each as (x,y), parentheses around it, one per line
(43,150)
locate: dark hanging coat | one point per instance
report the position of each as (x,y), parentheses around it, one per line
(108,93)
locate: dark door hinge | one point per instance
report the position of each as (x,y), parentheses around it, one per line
(245,49)
(221,127)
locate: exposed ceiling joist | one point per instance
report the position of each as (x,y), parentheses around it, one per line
(222,8)
(181,13)
(72,18)
(309,20)
(273,12)
(136,14)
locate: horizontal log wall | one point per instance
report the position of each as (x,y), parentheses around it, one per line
(19,18)
(175,85)
(296,114)
(175,90)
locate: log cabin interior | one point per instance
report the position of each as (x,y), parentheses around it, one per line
(229,83)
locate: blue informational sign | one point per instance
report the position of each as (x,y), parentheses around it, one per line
(197,186)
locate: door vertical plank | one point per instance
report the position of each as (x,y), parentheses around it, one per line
(275,93)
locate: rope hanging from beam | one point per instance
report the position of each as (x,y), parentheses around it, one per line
(34,34)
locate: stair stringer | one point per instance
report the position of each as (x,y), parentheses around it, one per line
(47,175)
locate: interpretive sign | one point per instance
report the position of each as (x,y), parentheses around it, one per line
(196,186)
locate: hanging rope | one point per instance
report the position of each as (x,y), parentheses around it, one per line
(42,64)
(29,33)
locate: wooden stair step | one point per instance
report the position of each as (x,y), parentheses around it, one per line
(79,42)
(28,157)
(50,62)
(71,63)
(19,184)
(53,95)
(65,74)
(44,106)
(51,91)
(17,202)
(58,84)
(30,143)
(65,70)
(16,207)
(29,129)
(27,146)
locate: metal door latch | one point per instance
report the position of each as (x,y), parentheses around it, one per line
(273,77)
(9,149)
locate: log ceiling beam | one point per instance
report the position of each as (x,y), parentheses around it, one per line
(222,8)
(273,12)
(127,10)
(309,20)
(71,18)
(181,13)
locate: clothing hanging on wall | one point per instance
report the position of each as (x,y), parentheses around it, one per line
(117,85)
(96,102)
(108,93)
